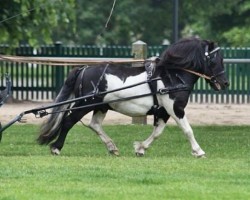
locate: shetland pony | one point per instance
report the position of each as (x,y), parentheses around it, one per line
(179,68)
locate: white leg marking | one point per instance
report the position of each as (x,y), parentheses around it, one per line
(187,130)
(96,125)
(183,124)
(140,147)
(55,151)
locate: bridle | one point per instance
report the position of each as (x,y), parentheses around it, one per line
(208,60)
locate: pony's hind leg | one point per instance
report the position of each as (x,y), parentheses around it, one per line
(140,147)
(67,123)
(96,125)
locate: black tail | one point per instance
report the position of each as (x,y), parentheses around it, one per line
(51,128)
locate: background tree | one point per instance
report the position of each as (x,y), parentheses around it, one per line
(83,21)
(131,20)
(32,21)
(224,21)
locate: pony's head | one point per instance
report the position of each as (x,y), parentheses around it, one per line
(214,67)
(198,55)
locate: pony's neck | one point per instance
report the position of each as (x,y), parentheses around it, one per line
(189,78)
(173,77)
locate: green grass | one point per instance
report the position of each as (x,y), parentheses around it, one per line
(85,170)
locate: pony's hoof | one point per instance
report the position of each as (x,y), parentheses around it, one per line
(202,156)
(139,149)
(138,154)
(199,155)
(114,152)
(55,151)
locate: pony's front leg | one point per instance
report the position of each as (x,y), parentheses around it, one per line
(96,125)
(140,147)
(187,130)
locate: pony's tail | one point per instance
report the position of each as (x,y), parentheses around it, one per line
(51,128)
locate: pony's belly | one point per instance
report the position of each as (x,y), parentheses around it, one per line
(133,108)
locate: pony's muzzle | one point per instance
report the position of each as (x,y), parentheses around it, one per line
(218,84)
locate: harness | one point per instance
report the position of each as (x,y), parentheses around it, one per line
(150,69)
(152,82)
(95,86)
(82,71)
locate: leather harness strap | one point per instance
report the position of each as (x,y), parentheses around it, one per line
(153,87)
(155,109)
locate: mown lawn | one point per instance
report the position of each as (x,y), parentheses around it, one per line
(85,170)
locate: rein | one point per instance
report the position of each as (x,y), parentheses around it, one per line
(64,61)
(210,78)
(160,91)
(82,61)
(207,55)
(35,111)
(199,74)
(41,111)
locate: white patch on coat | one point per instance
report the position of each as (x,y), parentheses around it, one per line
(165,101)
(138,106)
(134,107)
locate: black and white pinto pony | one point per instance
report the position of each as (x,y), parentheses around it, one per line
(168,84)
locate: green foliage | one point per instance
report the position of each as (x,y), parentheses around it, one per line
(86,171)
(83,22)
(131,20)
(32,21)
(224,21)
(238,36)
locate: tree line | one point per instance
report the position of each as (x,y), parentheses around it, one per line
(80,22)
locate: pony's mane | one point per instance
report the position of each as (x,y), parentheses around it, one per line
(186,53)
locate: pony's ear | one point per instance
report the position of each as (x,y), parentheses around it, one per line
(212,45)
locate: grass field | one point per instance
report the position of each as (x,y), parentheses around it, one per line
(85,170)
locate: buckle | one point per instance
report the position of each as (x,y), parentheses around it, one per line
(164,91)
(173,89)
